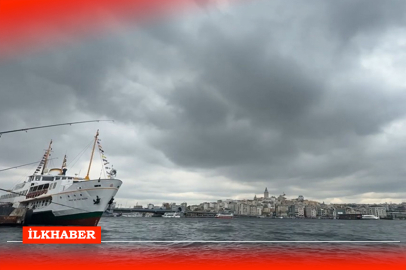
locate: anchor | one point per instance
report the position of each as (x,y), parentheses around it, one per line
(97,201)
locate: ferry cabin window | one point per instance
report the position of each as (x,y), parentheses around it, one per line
(30,179)
(46,186)
(47,178)
(37,178)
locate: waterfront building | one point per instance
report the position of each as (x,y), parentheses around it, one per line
(349,210)
(166,206)
(292,210)
(232,206)
(281,199)
(216,207)
(379,211)
(323,211)
(195,208)
(300,211)
(245,209)
(266,211)
(282,210)
(310,212)
(259,210)
(339,211)
(296,210)
(253,210)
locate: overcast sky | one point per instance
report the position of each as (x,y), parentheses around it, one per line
(302,97)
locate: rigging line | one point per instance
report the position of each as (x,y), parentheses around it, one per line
(102,170)
(80,154)
(9,191)
(23,165)
(54,125)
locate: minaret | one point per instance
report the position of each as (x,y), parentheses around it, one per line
(266,194)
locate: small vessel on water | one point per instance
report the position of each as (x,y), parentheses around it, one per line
(369,217)
(58,199)
(132,215)
(109,212)
(172,215)
(225,215)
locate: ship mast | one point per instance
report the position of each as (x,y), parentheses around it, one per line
(91,157)
(63,163)
(46,157)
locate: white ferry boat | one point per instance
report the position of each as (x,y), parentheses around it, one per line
(172,215)
(230,215)
(59,199)
(369,217)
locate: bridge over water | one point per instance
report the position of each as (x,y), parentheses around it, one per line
(163,211)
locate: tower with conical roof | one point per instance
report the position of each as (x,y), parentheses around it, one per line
(266,193)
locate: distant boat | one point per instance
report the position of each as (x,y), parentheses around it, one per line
(172,215)
(111,214)
(369,217)
(231,215)
(132,215)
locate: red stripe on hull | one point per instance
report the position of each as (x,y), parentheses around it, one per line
(91,221)
(48,218)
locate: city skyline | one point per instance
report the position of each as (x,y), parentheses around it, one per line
(268,206)
(222,101)
(128,204)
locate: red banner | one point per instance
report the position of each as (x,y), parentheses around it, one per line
(61,235)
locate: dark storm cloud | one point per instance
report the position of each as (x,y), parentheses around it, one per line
(264,93)
(349,18)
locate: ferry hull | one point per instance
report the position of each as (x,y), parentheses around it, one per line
(83,219)
(82,204)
